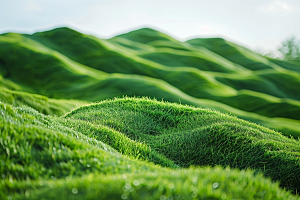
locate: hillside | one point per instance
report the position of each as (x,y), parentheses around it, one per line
(145,116)
(108,150)
(210,73)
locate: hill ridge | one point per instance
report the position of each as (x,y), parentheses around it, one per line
(159,66)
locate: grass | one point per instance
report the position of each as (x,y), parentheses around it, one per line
(190,136)
(56,143)
(107,150)
(40,103)
(65,64)
(234,53)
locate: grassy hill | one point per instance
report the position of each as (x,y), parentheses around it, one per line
(211,73)
(138,148)
(108,150)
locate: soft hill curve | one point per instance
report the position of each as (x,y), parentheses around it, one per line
(208,72)
(105,150)
(190,136)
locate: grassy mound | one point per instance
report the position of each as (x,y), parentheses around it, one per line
(190,136)
(105,150)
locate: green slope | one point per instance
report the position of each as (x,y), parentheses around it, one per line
(205,61)
(234,53)
(190,136)
(63,63)
(71,157)
(40,103)
(146,35)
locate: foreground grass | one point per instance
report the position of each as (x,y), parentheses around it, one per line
(107,150)
(190,136)
(201,183)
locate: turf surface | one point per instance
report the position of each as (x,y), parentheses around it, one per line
(56,143)
(108,150)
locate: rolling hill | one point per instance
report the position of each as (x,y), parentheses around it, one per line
(143,149)
(65,133)
(211,72)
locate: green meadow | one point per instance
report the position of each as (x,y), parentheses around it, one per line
(145,116)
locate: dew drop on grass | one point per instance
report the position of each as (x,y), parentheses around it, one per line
(127,186)
(88,165)
(195,180)
(171,186)
(244,184)
(124,176)
(163,197)
(195,191)
(215,185)
(74,190)
(136,183)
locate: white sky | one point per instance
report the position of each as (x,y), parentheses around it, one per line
(253,23)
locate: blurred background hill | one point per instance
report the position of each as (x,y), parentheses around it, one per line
(66,68)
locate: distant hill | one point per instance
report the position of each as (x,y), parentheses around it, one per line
(204,72)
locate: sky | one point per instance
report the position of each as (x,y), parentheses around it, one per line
(256,24)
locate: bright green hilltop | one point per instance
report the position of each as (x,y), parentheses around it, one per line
(56,143)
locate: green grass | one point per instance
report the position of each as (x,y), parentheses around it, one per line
(234,53)
(106,150)
(65,64)
(56,143)
(190,136)
(40,103)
